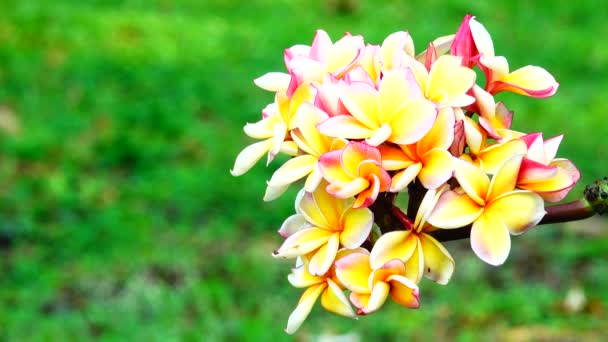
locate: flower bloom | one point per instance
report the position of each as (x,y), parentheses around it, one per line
(273,129)
(542,173)
(361,124)
(494,208)
(313,144)
(323,224)
(325,286)
(419,251)
(428,159)
(396,112)
(355,170)
(370,288)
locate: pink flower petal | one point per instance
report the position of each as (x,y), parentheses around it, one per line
(490,239)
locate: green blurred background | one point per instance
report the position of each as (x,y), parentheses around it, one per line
(119,220)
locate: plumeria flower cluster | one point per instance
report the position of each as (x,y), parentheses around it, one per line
(363,123)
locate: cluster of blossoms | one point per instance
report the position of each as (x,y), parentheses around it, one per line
(365,122)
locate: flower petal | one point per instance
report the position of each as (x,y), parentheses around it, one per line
(454,210)
(442,133)
(300,277)
(518,210)
(351,189)
(505,178)
(414,266)
(310,209)
(303,242)
(377,298)
(353,272)
(494,156)
(332,170)
(490,239)
(308,299)
(369,195)
(334,300)
(324,257)
(250,155)
(357,224)
(438,263)
(392,245)
(404,291)
(402,179)
(472,180)
(438,168)
(361,100)
(345,126)
(293,170)
(393,158)
(531,81)
(273,81)
(412,121)
(292,224)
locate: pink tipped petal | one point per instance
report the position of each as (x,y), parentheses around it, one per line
(345,126)
(353,271)
(534,172)
(344,53)
(325,256)
(303,242)
(369,195)
(412,121)
(552,189)
(293,170)
(300,277)
(357,224)
(356,152)
(292,224)
(273,81)
(334,300)
(308,299)
(402,179)
(321,46)
(438,263)
(490,239)
(437,168)
(392,245)
(472,180)
(404,292)
(377,297)
(531,81)
(505,179)
(454,210)
(518,210)
(494,156)
(331,168)
(249,156)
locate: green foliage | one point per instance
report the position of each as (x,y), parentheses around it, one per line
(119,219)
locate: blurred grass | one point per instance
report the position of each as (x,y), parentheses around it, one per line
(119,122)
